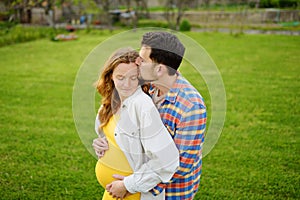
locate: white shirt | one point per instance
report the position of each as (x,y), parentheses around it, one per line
(147,145)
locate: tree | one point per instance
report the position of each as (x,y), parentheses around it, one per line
(170,12)
(142,8)
(49,11)
(20,9)
(105,6)
(257,3)
(206,3)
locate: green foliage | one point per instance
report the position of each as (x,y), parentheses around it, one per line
(289,4)
(185,25)
(13,33)
(269,3)
(5,26)
(157,9)
(278,3)
(256,157)
(152,23)
(18,34)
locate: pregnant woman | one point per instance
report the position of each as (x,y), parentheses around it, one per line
(139,146)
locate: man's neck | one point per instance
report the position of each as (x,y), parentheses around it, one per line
(165,83)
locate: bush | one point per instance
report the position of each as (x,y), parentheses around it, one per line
(14,34)
(278,3)
(286,4)
(185,25)
(269,3)
(152,23)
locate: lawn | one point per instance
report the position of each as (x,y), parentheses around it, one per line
(256,157)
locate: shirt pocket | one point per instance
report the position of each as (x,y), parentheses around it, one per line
(127,130)
(128,138)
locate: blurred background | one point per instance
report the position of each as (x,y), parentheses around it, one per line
(235,16)
(254,44)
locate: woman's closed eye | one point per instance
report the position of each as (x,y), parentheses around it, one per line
(120,77)
(133,78)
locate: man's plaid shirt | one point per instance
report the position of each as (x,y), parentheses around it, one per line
(184,114)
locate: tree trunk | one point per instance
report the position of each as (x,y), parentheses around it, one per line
(257,4)
(106,8)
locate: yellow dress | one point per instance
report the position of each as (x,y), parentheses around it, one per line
(113,162)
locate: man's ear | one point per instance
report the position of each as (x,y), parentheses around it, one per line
(161,69)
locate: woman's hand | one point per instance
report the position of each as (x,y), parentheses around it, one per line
(100,145)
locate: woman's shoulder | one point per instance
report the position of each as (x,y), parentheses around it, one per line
(142,97)
(142,100)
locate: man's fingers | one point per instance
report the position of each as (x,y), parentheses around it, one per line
(117,176)
(127,194)
(108,188)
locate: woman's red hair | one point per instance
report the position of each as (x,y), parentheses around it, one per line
(110,102)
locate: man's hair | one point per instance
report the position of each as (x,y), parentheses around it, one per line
(166,49)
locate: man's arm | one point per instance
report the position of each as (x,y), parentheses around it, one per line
(189,138)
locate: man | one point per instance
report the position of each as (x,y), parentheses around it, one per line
(181,107)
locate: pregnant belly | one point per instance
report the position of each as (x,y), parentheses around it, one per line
(113,162)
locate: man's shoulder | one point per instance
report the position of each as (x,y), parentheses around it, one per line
(190,98)
(188,94)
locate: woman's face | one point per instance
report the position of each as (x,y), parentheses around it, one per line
(125,77)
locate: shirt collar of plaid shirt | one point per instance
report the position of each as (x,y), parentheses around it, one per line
(173,92)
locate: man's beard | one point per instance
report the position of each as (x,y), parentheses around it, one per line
(142,79)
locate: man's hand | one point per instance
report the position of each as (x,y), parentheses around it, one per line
(118,177)
(100,145)
(117,189)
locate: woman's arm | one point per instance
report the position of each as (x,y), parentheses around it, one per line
(100,144)
(161,151)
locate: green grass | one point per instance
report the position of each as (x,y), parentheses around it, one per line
(257,156)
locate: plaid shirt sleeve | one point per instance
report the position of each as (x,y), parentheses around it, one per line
(188,137)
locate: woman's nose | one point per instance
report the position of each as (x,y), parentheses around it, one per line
(127,82)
